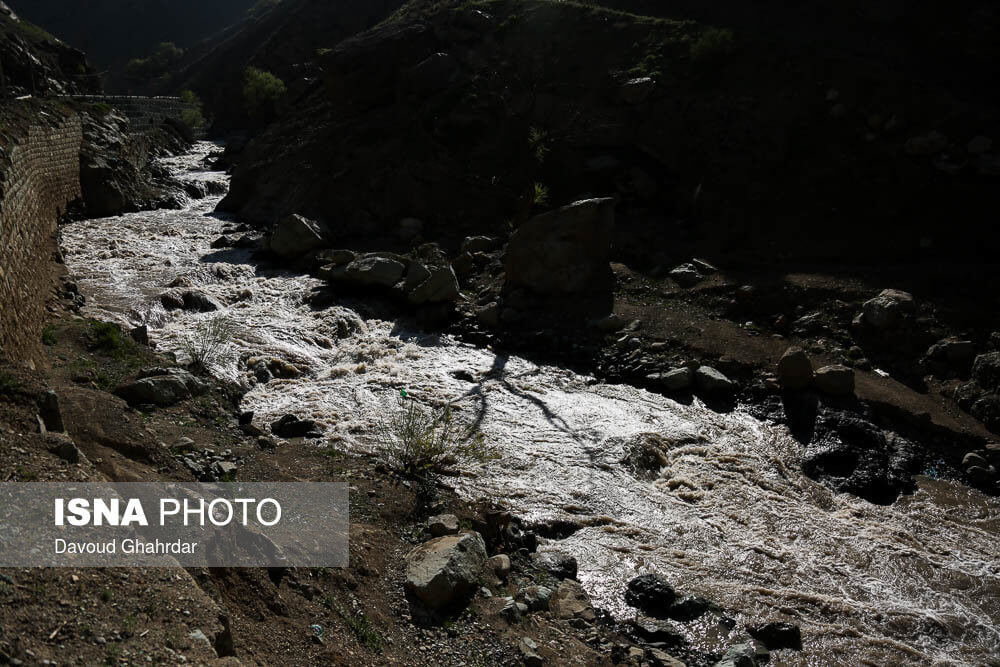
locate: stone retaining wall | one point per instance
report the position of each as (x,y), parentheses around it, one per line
(39,177)
(144,113)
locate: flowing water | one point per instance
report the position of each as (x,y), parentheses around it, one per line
(726,513)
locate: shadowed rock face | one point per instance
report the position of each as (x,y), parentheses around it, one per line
(565,255)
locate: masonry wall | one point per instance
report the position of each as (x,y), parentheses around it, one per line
(145,114)
(39,177)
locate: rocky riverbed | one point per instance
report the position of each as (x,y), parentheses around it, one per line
(626,481)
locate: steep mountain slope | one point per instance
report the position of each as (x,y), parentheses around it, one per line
(34,62)
(766,144)
(113,31)
(284,40)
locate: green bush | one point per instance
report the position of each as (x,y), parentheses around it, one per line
(540,195)
(106,337)
(262,91)
(712,46)
(193,116)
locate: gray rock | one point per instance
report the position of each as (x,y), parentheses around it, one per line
(446,570)
(992,452)
(474,244)
(172,299)
(651,593)
(986,371)
(290,426)
(571,601)
(565,252)
(500,566)
(63,446)
(710,381)
(372,270)
(686,275)
(200,302)
(163,387)
(888,308)
(513,611)
(556,563)
(295,235)
(529,652)
(635,91)
(443,524)
(704,267)
(795,371)
(743,655)
(416,273)
(439,287)
(835,380)
(979,475)
(224,469)
(658,658)
(679,379)
(536,597)
(777,635)
(335,257)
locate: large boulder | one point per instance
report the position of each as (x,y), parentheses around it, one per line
(556,563)
(439,286)
(295,235)
(446,571)
(163,387)
(888,309)
(565,253)
(795,371)
(374,271)
(651,593)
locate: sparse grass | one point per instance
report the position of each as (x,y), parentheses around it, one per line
(49,335)
(106,595)
(538,142)
(359,624)
(540,195)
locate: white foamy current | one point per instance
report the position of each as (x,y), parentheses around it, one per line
(728,515)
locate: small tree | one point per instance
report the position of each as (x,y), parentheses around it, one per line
(211,343)
(262,92)
(193,116)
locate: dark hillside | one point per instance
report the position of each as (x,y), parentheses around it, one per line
(34,62)
(114,31)
(760,142)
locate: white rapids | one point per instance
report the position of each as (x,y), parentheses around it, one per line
(730,516)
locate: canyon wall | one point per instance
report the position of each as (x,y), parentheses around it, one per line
(39,177)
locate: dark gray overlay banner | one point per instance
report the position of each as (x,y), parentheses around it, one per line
(267,524)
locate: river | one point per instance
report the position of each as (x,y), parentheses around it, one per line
(729,516)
